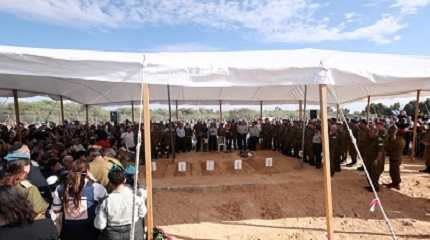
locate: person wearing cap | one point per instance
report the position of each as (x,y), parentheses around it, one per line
(394,145)
(351,148)
(363,140)
(18,166)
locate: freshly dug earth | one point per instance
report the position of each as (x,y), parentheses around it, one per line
(282,202)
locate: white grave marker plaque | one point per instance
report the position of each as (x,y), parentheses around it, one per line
(238,164)
(154,166)
(210,165)
(269,162)
(182,166)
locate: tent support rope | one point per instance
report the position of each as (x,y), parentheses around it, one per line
(354,142)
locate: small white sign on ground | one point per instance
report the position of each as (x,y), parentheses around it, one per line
(238,164)
(210,165)
(182,166)
(269,162)
(154,166)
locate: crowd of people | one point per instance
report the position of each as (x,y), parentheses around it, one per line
(73,180)
(67,182)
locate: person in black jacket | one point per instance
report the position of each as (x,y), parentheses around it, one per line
(17,218)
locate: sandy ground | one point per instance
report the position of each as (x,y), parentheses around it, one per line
(282,202)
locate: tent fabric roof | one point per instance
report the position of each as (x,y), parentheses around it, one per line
(244,77)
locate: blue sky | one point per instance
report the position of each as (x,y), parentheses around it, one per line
(394,26)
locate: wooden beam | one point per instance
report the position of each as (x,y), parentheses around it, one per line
(326,159)
(17,116)
(414,137)
(86,115)
(62,110)
(16,104)
(220,111)
(176,110)
(301,110)
(132,112)
(261,110)
(368,109)
(172,145)
(148,160)
(337,111)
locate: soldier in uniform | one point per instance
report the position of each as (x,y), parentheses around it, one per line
(297,138)
(17,169)
(375,154)
(351,148)
(267,134)
(308,151)
(340,147)
(394,145)
(426,142)
(286,136)
(363,140)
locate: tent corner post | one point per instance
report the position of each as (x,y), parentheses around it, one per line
(414,136)
(261,110)
(220,111)
(148,160)
(62,110)
(132,112)
(301,110)
(172,145)
(326,159)
(17,116)
(86,115)
(368,109)
(176,110)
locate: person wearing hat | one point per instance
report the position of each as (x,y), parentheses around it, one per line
(18,165)
(394,145)
(267,132)
(363,140)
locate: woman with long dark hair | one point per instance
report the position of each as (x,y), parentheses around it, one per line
(17,218)
(77,200)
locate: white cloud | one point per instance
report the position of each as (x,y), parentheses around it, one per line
(271,20)
(410,6)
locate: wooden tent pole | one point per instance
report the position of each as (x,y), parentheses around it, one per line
(17,117)
(172,146)
(261,110)
(301,110)
(368,109)
(304,119)
(62,110)
(326,159)
(414,138)
(176,110)
(337,111)
(148,160)
(132,112)
(16,104)
(86,114)
(220,111)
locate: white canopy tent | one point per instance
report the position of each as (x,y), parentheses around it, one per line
(248,77)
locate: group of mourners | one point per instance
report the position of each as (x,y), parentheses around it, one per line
(68,182)
(73,181)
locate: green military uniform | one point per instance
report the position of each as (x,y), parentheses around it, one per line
(394,146)
(309,153)
(350,146)
(340,147)
(426,142)
(267,134)
(33,195)
(363,142)
(297,138)
(375,157)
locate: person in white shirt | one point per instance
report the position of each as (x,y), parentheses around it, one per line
(242,132)
(254,134)
(114,215)
(128,139)
(180,138)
